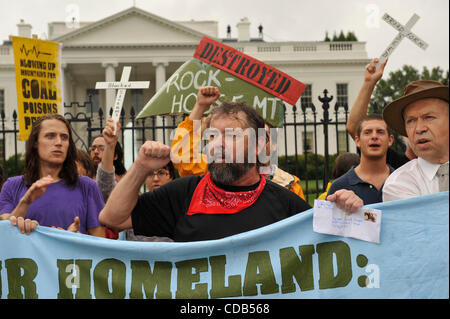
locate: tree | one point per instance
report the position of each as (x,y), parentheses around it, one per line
(341,36)
(392,88)
(335,38)
(351,36)
(13,166)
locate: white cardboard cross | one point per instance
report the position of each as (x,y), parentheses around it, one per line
(404,31)
(122,87)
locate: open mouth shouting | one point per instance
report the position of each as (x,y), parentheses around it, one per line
(422,142)
(374,146)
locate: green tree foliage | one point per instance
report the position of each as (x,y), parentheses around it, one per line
(10,167)
(311,170)
(351,36)
(342,37)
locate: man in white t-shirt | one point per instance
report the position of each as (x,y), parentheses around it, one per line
(422,115)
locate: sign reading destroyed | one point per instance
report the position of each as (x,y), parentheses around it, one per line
(239,77)
(250,70)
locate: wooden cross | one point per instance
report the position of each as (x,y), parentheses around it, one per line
(404,31)
(122,87)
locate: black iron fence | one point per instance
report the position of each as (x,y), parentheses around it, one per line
(299,121)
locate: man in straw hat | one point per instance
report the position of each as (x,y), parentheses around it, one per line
(422,115)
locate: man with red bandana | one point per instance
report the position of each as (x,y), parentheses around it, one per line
(231,198)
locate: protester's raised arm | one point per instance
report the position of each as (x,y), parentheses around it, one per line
(116,213)
(111,141)
(185,144)
(359,109)
(206,96)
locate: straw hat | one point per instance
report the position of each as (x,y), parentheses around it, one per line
(416,90)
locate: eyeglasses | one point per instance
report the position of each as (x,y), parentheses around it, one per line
(160,173)
(101,148)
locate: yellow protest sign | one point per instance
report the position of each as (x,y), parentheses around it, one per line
(38,80)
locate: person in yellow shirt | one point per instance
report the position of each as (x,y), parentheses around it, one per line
(190,161)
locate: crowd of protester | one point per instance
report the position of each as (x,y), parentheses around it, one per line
(219,194)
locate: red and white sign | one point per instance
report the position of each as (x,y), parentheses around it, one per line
(250,70)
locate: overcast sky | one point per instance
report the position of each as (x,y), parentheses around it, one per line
(283,20)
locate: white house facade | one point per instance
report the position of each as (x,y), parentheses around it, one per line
(156,47)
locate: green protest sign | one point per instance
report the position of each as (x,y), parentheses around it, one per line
(179,94)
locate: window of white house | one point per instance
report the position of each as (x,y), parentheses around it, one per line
(342,140)
(306,98)
(137,100)
(2,100)
(95,100)
(309,145)
(342,93)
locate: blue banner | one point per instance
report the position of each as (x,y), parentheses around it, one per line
(283,260)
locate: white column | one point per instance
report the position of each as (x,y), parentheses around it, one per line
(65,85)
(110,76)
(160,79)
(160,74)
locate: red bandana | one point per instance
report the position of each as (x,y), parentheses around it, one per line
(210,199)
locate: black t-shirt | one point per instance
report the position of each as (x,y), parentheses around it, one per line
(163,212)
(396,159)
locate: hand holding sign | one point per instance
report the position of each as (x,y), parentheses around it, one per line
(373,74)
(26,226)
(109,132)
(346,200)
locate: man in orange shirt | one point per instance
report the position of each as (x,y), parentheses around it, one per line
(189,161)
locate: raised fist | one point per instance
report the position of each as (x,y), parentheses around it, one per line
(207,95)
(153,155)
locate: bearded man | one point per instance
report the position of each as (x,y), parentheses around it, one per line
(231,198)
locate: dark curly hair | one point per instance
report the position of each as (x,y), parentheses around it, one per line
(32,161)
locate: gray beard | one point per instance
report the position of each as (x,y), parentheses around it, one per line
(227,173)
